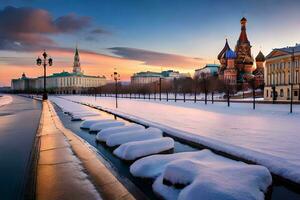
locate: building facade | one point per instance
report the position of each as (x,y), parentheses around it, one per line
(237,66)
(151,77)
(24,84)
(281,72)
(209,70)
(62,83)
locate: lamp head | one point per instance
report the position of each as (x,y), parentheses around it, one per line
(50,61)
(38,61)
(45,54)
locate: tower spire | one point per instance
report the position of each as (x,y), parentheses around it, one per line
(243,36)
(76,64)
(225,48)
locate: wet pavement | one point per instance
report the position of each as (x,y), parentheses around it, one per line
(68,168)
(60,174)
(19,122)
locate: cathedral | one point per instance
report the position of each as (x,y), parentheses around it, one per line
(236,66)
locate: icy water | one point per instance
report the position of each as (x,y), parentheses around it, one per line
(142,188)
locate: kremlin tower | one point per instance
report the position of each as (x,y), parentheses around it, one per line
(76,64)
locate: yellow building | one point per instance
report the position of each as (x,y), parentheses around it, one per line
(282,74)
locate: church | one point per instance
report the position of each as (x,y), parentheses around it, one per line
(236,66)
(74,82)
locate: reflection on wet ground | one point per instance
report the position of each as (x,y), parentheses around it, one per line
(18,124)
(121,168)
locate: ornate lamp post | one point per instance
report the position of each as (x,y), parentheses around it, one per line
(292,78)
(253,85)
(44,62)
(116,77)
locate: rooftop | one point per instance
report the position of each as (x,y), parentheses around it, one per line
(148,74)
(66,74)
(211,66)
(296,48)
(166,73)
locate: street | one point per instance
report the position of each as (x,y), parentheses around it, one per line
(18,125)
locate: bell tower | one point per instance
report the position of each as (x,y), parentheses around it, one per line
(76,64)
(244,61)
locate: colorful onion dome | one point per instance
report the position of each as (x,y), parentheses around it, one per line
(229,54)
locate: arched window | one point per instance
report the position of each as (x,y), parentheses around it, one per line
(281,93)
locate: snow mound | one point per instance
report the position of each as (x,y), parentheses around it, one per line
(102,125)
(83,116)
(88,123)
(130,136)
(69,107)
(203,175)
(83,113)
(138,149)
(105,133)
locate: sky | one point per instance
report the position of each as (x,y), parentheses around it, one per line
(136,35)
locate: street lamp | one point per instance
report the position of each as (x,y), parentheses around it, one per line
(116,77)
(253,85)
(292,79)
(44,62)
(273,94)
(160,88)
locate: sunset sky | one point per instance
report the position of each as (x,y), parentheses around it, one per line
(136,35)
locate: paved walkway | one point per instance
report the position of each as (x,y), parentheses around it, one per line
(18,125)
(68,168)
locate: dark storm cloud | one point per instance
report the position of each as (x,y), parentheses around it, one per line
(155,58)
(27,28)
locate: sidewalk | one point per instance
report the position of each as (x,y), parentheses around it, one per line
(68,168)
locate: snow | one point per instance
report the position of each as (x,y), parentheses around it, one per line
(5,99)
(90,122)
(202,175)
(268,135)
(105,124)
(105,133)
(84,116)
(138,149)
(130,136)
(84,113)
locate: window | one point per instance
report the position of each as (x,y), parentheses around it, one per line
(295,93)
(267,93)
(281,93)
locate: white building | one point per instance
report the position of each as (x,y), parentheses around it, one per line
(207,71)
(62,83)
(24,83)
(151,77)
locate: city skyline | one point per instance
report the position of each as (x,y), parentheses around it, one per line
(135,35)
